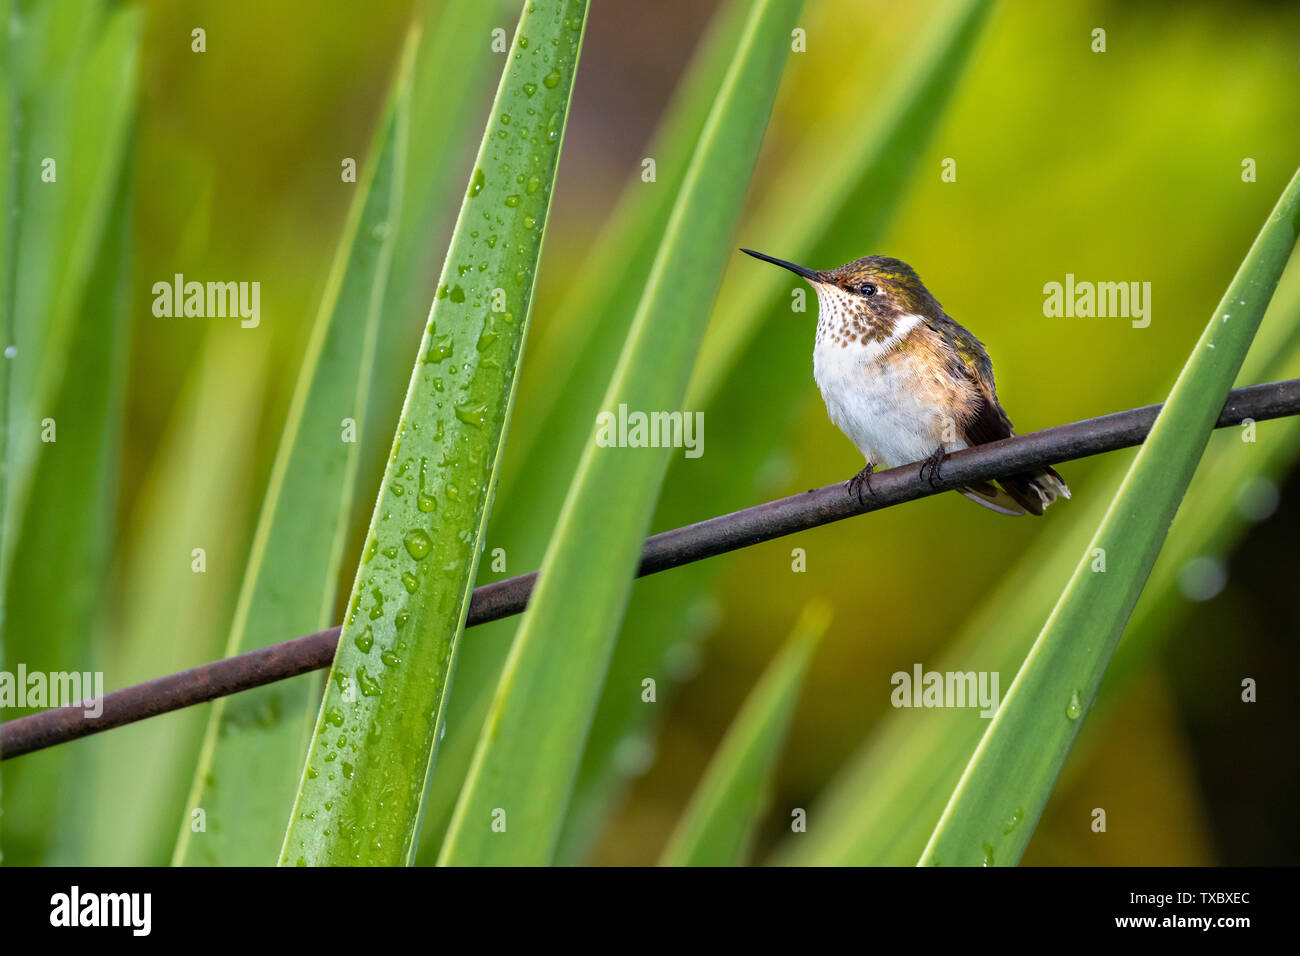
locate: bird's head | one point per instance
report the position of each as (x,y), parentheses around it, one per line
(873,287)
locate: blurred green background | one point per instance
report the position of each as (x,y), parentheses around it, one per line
(1116,166)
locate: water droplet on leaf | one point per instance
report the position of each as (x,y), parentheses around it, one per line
(417,543)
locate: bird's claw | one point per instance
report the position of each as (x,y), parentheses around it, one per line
(932,464)
(861,480)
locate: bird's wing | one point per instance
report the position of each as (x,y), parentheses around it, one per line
(986,421)
(969,362)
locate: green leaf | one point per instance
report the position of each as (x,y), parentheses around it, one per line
(54,626)
(590,325)
(559,395)
(1230,473)
(253,751)
(75,69)
(745,373)
(8,184)
(534,734)
(452,90)
(70,484)
(719,822)
(375,739)
(182,557)
(1001,795)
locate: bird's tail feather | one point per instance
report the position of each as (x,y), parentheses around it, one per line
(1016,495)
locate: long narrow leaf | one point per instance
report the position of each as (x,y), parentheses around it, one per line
(1001,795)
(558,398)
(74,230)
(454,70)
(76,108)
(182,552)
(719,821)
(8,183)
(532,741)
(253,749)
(74,496)
(376,736)
(592,321)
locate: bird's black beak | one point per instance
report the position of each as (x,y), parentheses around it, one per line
(812,275)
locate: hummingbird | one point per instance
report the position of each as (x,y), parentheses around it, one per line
(905,383)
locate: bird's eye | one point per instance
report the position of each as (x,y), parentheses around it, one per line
(867,288)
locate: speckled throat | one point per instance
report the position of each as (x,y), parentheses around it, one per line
(845,319)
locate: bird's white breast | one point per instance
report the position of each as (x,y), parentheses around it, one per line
(880,403)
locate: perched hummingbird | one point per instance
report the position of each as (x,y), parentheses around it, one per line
(906,383)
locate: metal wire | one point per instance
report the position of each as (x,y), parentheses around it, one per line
(671,549)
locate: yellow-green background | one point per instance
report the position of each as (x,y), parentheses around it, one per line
(1120,166)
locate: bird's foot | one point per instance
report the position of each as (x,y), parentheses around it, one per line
(861,480)
(931,465)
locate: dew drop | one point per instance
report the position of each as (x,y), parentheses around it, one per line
(417,543)
(472,414)
(1073,709)
(440,349)
(476,183)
